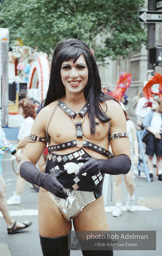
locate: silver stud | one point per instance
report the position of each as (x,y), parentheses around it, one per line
(96,182)
(76,179)
(94,177)
(100,178)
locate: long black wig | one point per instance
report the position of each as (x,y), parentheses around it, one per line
(73,49)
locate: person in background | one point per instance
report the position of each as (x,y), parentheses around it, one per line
(27,69)
(13,227)
(142,108)
(153,124)
(76,124)
(128,178)
(27,110)
(136,98)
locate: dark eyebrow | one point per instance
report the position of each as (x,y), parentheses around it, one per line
(65,64)
(80,63)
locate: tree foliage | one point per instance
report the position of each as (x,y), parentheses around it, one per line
(44,23)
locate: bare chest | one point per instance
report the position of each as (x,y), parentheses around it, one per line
(63,128)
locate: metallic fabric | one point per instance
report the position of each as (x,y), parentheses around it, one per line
(74,203)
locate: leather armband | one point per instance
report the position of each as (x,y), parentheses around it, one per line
(117,135)
(35,138)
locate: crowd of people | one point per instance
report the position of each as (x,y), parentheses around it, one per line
(99,139)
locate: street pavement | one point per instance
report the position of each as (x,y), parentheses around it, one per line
(146,215)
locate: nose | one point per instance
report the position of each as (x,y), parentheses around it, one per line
(73,73)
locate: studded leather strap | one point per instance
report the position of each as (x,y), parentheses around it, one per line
(79,133)
(116,135)
(70,112)
(86,144)
(37,139)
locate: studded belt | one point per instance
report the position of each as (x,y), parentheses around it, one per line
(85,143)
(70,179)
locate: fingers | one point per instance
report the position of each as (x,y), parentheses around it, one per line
(58,185)
(90,167)
(83,160)
(59,189)
(85,167)
(61,193)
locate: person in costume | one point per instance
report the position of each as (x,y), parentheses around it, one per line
(78,123)
(153,124)
(13,227)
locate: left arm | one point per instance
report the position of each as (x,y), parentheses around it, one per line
(120,163)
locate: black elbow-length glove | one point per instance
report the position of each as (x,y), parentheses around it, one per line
(29,172)
(120,164)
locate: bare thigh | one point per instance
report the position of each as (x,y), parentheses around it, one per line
(92,217)
(51,222)
(3,187)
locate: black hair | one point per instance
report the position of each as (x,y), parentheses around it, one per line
(73,49)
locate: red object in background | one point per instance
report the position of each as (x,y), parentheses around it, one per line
(147,104)
(16,63)
(147,91)
(122,85)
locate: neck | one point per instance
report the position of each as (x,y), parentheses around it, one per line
(74,99)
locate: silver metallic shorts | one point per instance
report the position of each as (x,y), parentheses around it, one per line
(74,203)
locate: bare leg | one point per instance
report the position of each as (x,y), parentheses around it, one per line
(16,197)
(117,188)
(20,185)
(85,222)
(3,203)
(150,164)
(53,228)
(159,162)
(128,178)
(51,222)
(159,167)
(4,208)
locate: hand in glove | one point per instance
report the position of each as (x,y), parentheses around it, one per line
(51,184)
(91,166)
(120,164)
(29,172)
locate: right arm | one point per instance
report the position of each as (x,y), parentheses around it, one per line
(147,125)
(31,155)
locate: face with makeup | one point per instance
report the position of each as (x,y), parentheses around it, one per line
(74,75)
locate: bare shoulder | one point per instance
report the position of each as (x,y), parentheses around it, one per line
(117,116)
(42,119)
(114,109)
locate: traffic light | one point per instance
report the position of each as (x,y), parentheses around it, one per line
(155,55)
